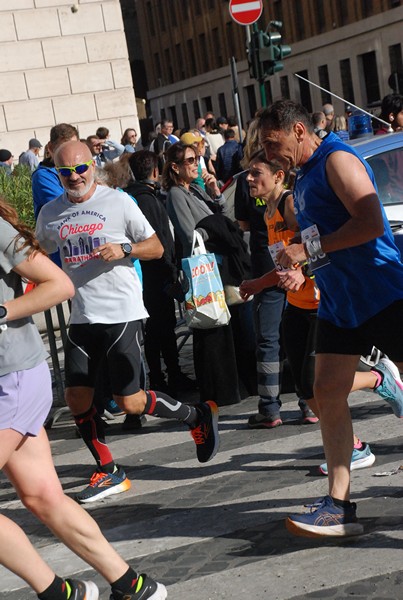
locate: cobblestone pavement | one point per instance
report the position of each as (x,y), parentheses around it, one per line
(217,531)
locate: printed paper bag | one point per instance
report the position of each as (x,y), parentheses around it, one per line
(205,305)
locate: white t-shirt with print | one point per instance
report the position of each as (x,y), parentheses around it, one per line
(106,292)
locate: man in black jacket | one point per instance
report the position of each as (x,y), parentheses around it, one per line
(160,279)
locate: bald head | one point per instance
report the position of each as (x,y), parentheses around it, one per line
(72,153)
(81,185)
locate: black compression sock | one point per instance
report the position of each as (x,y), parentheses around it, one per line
(58,590)
(126,583)
(161,405)
(341,503)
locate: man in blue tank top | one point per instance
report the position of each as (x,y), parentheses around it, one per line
(347,240)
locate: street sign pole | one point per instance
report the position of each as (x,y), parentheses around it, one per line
(235,95)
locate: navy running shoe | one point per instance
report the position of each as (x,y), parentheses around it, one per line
(103,485)
(326,519)
(205,434)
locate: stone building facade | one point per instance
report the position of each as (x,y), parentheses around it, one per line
(63,62)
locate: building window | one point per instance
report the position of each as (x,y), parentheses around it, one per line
(217,47)
(319,16)
(278,10)
(172,13)
(371,81)
(158,72)
(185,116)
(211,4)
(395,59)
(150,18)
(173,115)
(162,17)
(196,109)
(179,62)
(367,8)
(222,105)
(163,114)
(168,66)
(197,5)
(207,104)
(192,58)
(325,83)
(342,12)
(347,80)
(284,87)
(305,91)
(231,38)
(250,99)
(204,50)
(299,20)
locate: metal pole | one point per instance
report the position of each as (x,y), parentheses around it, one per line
(235,95)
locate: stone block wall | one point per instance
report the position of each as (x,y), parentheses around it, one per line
(60,65)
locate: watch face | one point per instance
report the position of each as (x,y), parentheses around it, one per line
(3,312)
(127,248)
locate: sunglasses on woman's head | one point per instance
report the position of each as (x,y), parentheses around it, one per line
(79,169)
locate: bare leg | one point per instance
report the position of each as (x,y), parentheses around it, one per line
(334,374)
(363,379)
(19,556)
(42,494)
(16,551)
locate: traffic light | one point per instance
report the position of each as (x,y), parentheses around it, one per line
(253,56)
(266,52)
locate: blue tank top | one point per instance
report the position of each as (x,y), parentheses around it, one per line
(358,282)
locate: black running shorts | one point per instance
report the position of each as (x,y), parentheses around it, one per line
(116,346)
(384,331)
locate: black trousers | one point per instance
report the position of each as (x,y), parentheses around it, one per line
(159,333)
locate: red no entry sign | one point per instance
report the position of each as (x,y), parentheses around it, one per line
(245,12)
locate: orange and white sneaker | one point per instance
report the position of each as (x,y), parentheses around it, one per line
(103,485)
(205,434)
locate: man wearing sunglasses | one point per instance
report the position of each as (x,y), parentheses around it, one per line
(98,230)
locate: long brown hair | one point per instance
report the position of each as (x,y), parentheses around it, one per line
(25,234)
(174,155)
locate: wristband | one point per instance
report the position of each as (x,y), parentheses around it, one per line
(313,247)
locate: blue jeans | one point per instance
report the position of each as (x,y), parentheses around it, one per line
(268,309)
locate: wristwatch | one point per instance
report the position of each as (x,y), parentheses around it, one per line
(3,314)
(126,248)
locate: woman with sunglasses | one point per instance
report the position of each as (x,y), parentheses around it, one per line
(187,204)
(129,139)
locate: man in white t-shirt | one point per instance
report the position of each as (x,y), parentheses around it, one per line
(98,230)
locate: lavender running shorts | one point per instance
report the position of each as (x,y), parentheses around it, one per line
(25,399)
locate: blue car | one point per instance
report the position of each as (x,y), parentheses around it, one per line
(385,155)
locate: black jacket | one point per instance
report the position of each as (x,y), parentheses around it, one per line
(162,271)
(225,238)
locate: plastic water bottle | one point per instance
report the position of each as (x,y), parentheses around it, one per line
(360,125)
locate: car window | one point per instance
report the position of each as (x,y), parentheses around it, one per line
(388,171)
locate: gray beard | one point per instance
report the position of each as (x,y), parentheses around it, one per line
(80,193)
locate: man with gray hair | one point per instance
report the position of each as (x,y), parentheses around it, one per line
(99,230)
